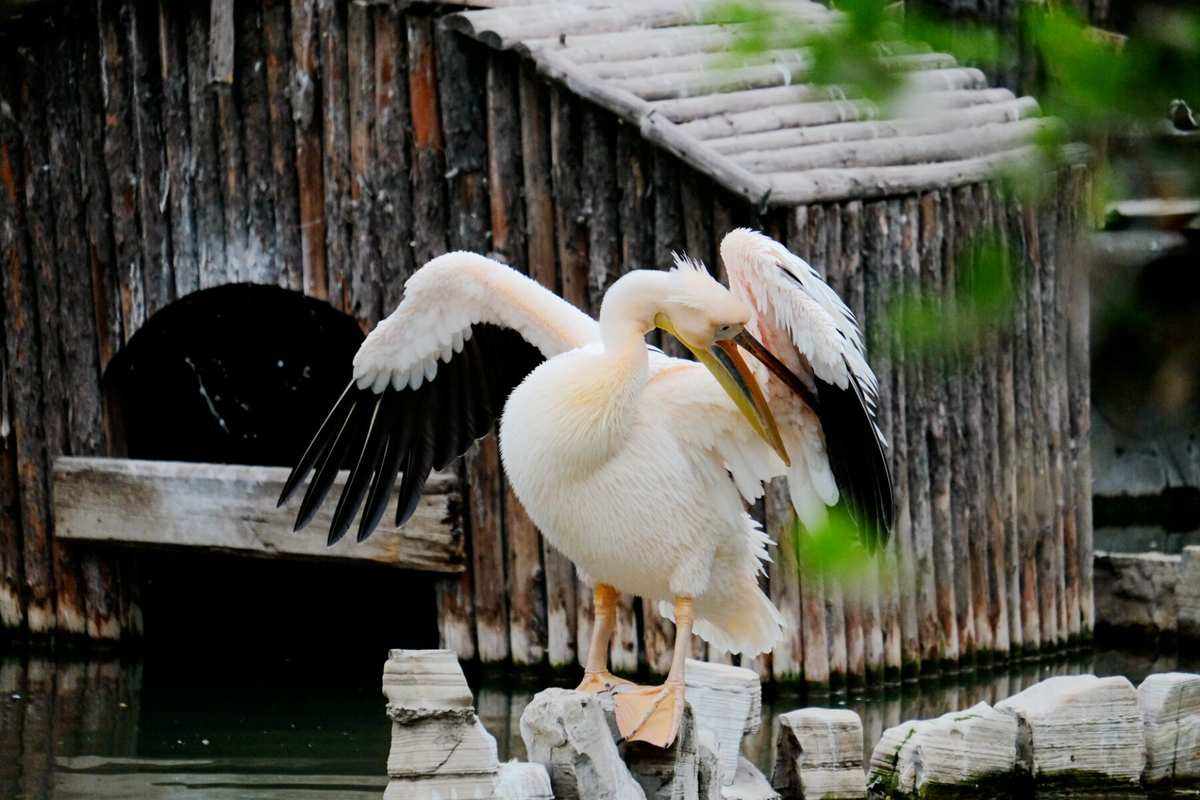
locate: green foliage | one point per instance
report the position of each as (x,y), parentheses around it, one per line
(833,550)
(947,325)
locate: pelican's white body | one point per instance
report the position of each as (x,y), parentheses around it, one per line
(591,450)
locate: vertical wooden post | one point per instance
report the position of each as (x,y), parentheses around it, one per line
(335,146)
(172,49)
(366,290)
(995,495)
(1019,243)
(936,588)
(207,173)
(23,376)
(285,184)
(393,208)
(1036,228)
(1067,262)
(1006,490)
(310,176)
(879,611)
(1080,379)
(261,264)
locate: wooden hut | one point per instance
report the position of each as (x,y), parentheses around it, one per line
(151,150)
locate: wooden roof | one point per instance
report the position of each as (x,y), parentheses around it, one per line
(755,125)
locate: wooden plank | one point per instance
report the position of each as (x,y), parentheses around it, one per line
(429,167)
(28,249)
(173,74)
(365,292)
(1006,490)
(1018,241)
(232,508)
(119,160)
(221,42)
(310,176)
(260,262)
(670,233)
(1037,227)
(1080,379)
(955,359)
(335,148)
(506,175)
(393,208)
(153,211)
(991,392)
(75,333)
(206,166)
(921,243)
(570,220)
(234,196)
(277,52)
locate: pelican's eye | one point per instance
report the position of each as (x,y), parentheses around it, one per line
(727,332)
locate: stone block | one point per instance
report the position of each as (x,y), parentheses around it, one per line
(971,753)
(569,734)
(439,748)
(1170,706)
(819,755)
(1079,736)
(1137,592)
(727,700)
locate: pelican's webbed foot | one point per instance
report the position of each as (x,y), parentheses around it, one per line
(650,714)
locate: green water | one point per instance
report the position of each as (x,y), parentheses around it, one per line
(74,728)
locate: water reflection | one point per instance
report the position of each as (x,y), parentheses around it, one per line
(55,711)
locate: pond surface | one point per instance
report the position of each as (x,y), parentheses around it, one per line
(109,728)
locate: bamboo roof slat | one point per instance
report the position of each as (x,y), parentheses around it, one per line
(756,124)
(852,131)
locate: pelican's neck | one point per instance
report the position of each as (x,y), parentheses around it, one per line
(627,314)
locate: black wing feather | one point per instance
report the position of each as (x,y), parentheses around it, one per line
(406,433)
(857,458)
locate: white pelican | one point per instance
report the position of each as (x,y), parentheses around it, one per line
(633,464)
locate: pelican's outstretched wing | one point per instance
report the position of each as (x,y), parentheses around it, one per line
(429,380)
(836,447)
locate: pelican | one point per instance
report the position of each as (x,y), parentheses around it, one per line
(635,465)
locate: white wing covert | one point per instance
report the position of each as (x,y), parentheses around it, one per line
(428,381)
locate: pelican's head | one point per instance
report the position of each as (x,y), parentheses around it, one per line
(711,322)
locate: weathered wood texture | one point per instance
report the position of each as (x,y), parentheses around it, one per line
(343,144)
(230,507)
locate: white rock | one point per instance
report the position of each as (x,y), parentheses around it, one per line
(969,751)
(425,680)
(568,733)
(708,766)
(439,748)
(520,781)
(1079,736)
(1187,594)
(820,755)
(749,784)
(727,700)
(1170,706)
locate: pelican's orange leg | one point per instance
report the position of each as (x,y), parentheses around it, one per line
(652,714)
(596,677)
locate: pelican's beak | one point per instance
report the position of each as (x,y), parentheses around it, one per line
(725,362)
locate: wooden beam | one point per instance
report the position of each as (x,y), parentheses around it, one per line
(231,508)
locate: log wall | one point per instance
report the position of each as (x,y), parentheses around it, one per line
(150,149)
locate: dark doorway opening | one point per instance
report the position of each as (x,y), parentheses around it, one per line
(243,374)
